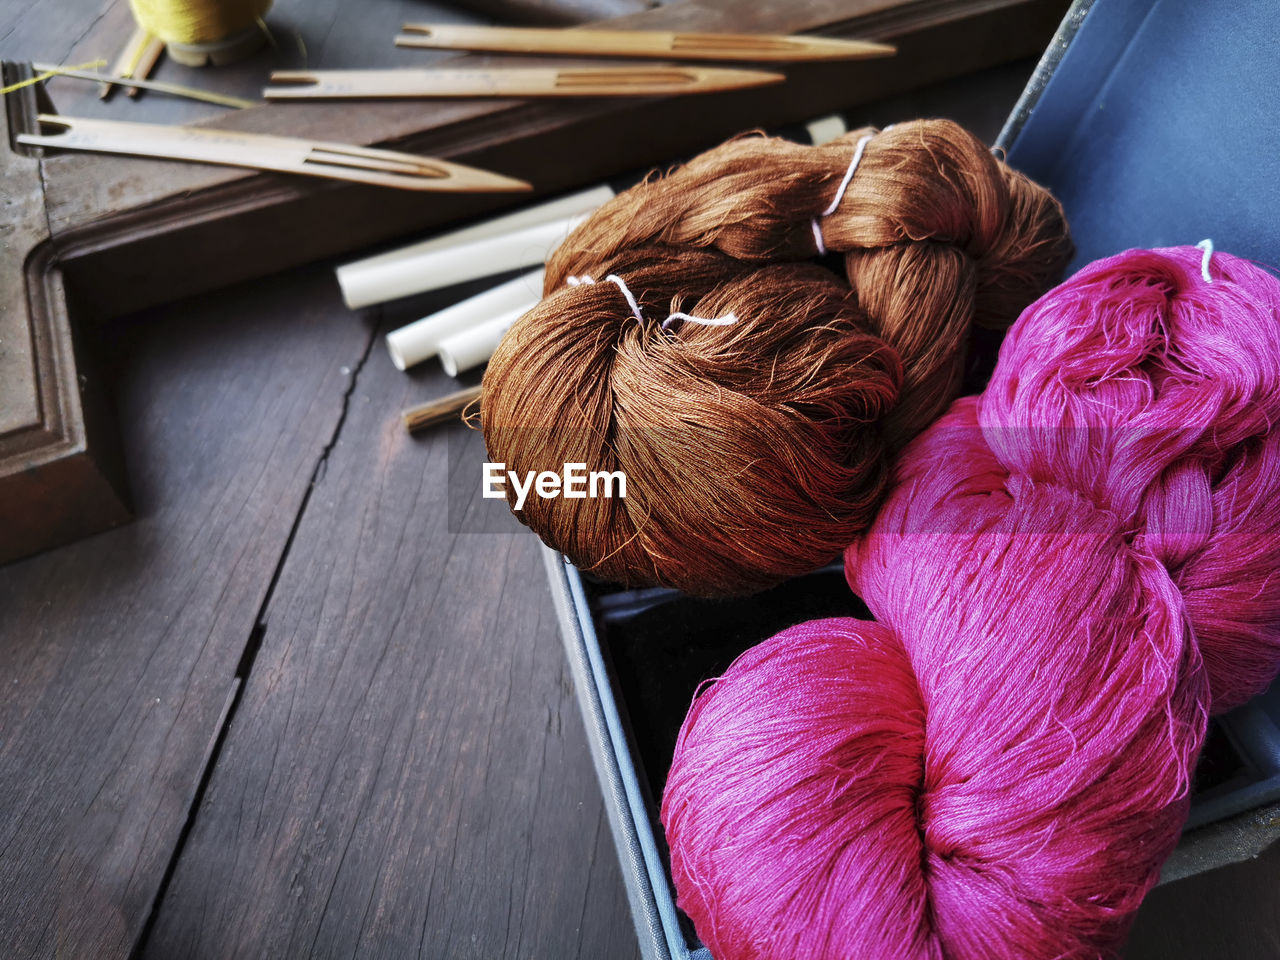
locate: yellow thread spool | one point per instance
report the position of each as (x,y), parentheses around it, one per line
(197,32)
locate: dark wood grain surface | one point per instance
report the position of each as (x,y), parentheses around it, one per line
(407,774)
(118,654)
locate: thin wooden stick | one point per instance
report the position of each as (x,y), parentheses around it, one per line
(744,47)
(150,57)
(443,410)
(127,61)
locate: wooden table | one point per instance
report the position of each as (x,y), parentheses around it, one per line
(287,712)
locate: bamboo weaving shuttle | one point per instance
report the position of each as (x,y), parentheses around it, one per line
(756,48)
(340,161)
(511,82)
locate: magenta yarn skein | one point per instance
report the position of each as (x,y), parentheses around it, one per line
(1070,573)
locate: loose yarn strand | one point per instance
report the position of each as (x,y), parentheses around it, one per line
(844,185)
(52,72)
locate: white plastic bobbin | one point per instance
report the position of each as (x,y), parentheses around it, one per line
(420,340)
(473,346)
(520,239)
(825,129)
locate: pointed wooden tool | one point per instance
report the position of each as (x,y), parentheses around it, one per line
(339,161)
(511,82)
(755,48)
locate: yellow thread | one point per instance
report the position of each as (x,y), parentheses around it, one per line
(173,89)
(51,73)
(197,21)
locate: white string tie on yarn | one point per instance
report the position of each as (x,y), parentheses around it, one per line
(631,301)
(844,185)
(724,321)
(1207,246)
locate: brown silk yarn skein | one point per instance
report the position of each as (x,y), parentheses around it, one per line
(757,450)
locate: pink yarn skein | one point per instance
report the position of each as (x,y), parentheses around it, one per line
(1070,573)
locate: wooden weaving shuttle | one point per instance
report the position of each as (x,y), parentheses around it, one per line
(339,161)
(756,48)
(511,82)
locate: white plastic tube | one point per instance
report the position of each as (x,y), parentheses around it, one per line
(470,261)
(397,272)
(825,129)
(471,347)
(421,339)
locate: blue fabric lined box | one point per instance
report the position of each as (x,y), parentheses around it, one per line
(1150,121)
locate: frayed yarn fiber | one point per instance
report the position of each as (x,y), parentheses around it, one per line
(1069,574)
